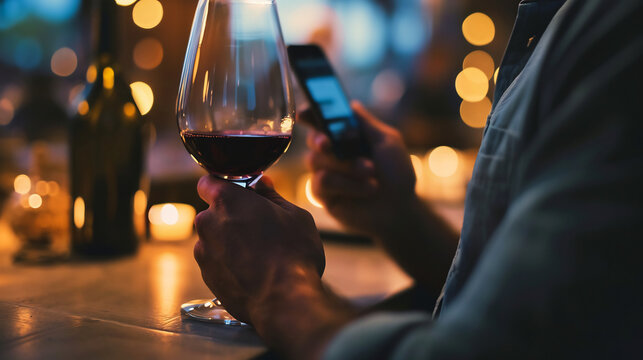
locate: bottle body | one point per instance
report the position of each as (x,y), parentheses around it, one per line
(108,138)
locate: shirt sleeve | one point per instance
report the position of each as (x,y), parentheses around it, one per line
(562,276)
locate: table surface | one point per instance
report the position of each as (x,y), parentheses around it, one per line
(129,308)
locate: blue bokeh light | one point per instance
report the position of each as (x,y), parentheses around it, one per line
(364,33)
(12,12)
(54,10)
(410,30)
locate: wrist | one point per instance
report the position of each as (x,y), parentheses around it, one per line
(300,316)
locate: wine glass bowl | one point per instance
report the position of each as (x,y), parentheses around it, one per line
(235,109)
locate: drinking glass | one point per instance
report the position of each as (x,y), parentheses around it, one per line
(235,108)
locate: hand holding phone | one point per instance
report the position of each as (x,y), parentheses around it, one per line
(328,100)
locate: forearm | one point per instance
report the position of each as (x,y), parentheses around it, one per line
(421,242)
(300,316)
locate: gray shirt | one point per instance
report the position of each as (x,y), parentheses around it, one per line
(549,263)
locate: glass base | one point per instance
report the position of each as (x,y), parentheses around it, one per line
(244,182)
(208,311)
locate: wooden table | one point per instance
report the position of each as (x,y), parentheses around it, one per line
(129,308)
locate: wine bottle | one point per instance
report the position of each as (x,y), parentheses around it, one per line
(108,138)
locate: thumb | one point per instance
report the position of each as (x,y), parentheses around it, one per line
(266,189)
(374,129)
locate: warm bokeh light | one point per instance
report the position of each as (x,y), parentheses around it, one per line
(170,222)
(53,188)
(481,60)
(169,214)
(309,194)
(7,111)
(443,161)
(478,29)
(79,212)
(108,78)
(472,84)
(129,110)
(125,2)
(42,188)
(143,96)
(148,53)
(495,76)
(83,107)
(147,13)
(64,62)
(475,114)
(22,184)
(35,201)
(140,202)
(92,73)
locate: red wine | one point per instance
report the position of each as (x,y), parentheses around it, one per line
(238,154)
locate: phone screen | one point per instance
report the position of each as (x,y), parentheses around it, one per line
(328,99)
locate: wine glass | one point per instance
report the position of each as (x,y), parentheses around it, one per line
(235,108)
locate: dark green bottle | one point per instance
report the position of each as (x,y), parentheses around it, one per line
(108,140)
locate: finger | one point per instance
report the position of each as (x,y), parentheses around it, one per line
(212,189)
(318,141)
(266,188)
(373,127)
(326,185)
(359,168)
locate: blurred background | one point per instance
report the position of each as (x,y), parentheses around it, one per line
(424,66)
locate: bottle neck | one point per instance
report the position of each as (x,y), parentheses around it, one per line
(105,29)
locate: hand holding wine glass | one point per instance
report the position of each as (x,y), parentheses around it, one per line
(235,108)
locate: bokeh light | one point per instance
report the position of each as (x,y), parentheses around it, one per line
(55,10)
(42,188)
(481,60)
(169,214)
(35,201)
(475,114)
(363,33)
(83,107)
(125,2)
(108,78)
(64,62)
(478,29)
(409,30)
(22,184)
(7,110)
(143,96)
(309,194)
(79,212)
(92,73)
(148,53)
(472,84)
(495,76)
(147,13)
(129,110)
(443,161)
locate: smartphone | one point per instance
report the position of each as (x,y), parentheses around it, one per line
(331,108)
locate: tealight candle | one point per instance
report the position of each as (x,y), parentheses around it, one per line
(171,222)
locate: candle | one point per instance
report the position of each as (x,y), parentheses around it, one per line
(171,222)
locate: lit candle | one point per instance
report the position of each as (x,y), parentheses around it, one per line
(171,222)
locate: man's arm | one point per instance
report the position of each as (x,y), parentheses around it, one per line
(562,275)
